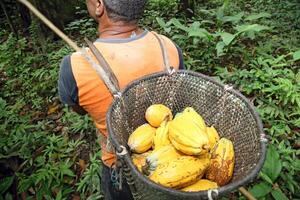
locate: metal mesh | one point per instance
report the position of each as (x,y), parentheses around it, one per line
(228,111)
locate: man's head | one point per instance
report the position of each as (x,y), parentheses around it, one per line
(127,11)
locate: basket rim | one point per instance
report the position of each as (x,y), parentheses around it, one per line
(222,190)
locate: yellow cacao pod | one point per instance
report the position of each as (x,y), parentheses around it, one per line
(201,185)
(192,115)
(160,156)
(158,113)
(139,160)
(180,172)
(141,139)
(188,134)
(186,149)
(161,137)
(213,136)
(222,162)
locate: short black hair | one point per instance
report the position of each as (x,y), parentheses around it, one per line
(129,11)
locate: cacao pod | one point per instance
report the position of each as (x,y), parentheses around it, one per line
(188,134)
(160,156)
(180,172)
(139,160)
(141,139)
(201,185)
(192,115)
(213,136)
(158,113)
(222,162)
(161,137)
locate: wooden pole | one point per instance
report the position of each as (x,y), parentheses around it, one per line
(247,194)
(50,24)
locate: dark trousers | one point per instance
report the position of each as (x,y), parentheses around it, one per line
(110,191)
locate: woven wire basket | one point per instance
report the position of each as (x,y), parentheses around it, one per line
(229,111)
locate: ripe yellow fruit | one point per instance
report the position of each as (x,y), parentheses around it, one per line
(192,115)
(201,185)
(139,160)
(161,137)
(184,133)
(186,149)
(141,139)
(222,162)
(158,113)
(160,156)
(213,136)
(180,172)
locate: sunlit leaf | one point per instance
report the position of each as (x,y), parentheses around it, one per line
(220,48)
(251,27)
(273,165)
(233,19)
(296,55)
(279,195)
(258,16)
(227,37)
(261,189)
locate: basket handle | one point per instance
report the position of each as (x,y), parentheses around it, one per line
(170,70)
(104,70)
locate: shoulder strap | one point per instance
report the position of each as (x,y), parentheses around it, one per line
(168,67)
(103,69)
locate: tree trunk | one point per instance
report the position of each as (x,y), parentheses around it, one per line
(188,6)
(9,21)
(25,18)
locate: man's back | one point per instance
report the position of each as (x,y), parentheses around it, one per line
(131,53)
(129,59)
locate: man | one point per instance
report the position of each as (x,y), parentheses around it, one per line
(131,53)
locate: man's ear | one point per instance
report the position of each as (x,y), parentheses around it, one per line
(99,8)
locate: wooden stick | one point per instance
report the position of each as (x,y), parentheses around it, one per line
(50,24)
(247,194)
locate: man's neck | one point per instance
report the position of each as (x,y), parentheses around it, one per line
(117,30)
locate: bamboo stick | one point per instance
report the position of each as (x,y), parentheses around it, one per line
(247,194)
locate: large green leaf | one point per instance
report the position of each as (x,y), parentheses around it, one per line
(258,16)
(220,48)
(265,177)
(227,37)
(161,22)
(179,25)
(296,55)
(273,165)
(234,19)
(198,32)
(279,195)
(251,27)
(261,189)
(6,183)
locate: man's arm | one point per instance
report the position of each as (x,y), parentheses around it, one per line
(67,87)
(181,62)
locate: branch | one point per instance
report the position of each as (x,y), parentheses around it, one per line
(247,194)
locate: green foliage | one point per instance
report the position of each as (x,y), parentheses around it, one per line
(236,49)
(46,146)
(91,181)
(83,26)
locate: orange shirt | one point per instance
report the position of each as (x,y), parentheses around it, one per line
(129,59)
